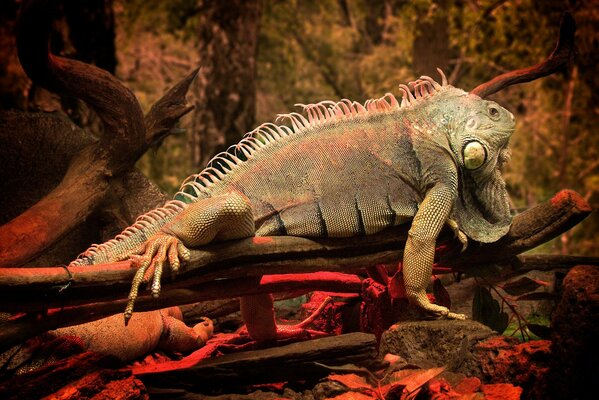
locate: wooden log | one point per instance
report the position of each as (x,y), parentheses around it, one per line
(557,59)
(296,361)
(99,291)
(529,229)
(28,325)
(31,287)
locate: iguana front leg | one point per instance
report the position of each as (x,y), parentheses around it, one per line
(222,217)
(419,252)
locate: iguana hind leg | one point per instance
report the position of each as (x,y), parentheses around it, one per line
(222,217)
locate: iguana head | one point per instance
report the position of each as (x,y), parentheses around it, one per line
(478,134)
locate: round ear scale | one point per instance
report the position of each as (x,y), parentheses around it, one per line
(474,155)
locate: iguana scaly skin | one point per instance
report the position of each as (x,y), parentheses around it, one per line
(341,169)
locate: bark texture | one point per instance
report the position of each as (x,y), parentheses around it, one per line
(226,86)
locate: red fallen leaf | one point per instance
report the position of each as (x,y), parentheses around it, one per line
(407,386)
(415,381)
(523,285)
(468,385)
(396,287)
(441,294)
(440,389)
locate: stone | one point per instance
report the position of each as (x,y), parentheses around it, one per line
(573,368)
(523,364)
(437,343)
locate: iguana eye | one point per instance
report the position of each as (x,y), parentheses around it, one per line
(493,113)
(474,155)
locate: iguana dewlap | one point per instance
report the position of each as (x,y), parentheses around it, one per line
(341,169)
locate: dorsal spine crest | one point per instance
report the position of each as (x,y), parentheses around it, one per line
(316,115)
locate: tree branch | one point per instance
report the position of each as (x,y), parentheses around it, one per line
(28,325)
(235,268)
(558,58)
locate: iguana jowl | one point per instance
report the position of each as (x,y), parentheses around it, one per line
(342,169)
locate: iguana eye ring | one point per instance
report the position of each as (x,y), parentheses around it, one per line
(474,155)
(494,113)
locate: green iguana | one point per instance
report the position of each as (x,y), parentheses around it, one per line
(340,169)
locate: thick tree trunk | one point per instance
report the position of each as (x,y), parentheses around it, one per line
(226,86)
(431,40)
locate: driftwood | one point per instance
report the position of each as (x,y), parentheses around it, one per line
(98,291)
(296,361)
(127,135)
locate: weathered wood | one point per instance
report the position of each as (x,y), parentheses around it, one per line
(28,325)
(165,113)
(549,262)
(276,255)
(87,180)
(98,291)
(296,361)
(531,228)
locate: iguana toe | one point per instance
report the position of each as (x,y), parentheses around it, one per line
(458,233)
(150,258)
(452,315)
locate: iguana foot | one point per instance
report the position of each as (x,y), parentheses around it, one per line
(420,299)
(150,258)
(458,233)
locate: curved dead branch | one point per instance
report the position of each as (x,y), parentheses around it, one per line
(557,59)
(87,180)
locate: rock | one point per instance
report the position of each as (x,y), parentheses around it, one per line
(328,389)
(523,364)
(86,375)
(437,343)
(573,368)
(501,391)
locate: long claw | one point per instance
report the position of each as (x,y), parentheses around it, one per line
(158,265)
(137,280)
(458,233)
(150,258)
(184,252)
(173,258)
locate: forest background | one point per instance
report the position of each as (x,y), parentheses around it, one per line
(260,57)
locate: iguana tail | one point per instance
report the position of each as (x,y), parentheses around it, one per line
(132,237)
